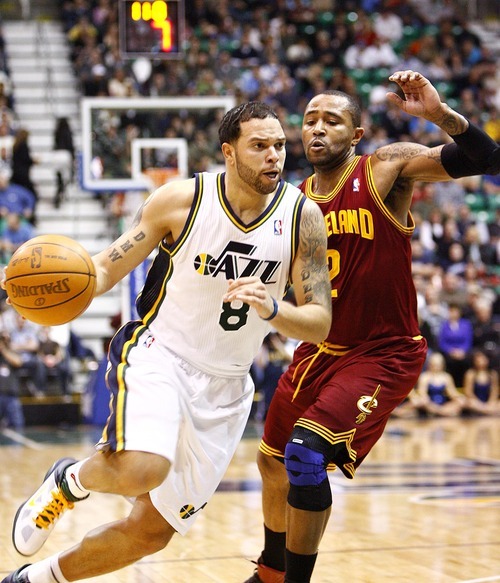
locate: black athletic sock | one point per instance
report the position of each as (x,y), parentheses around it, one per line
(273,554)
(299,568)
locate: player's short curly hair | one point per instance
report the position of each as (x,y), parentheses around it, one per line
(230,126)
(352,105)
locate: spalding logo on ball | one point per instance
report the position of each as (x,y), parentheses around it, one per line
(50,280)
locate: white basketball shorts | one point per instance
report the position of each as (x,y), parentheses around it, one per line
(164,405)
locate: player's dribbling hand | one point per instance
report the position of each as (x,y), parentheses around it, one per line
(251,291)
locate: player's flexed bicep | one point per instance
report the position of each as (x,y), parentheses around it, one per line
(161,217)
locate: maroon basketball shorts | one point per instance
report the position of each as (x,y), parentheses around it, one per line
(345,399)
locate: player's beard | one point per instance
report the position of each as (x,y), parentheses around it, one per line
(253,179)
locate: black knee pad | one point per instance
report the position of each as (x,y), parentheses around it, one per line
(306,460)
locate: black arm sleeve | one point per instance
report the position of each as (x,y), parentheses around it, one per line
(473,153)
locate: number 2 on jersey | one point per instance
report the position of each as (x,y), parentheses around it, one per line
(333,257)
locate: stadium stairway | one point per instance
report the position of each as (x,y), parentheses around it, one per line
(45,88)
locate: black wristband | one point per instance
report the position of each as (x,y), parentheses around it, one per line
(274,313)
(474,152)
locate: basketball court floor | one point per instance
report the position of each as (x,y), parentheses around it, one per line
(424,508)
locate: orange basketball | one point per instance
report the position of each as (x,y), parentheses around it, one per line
(50,280)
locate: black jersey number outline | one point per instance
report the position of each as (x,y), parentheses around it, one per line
(239,314)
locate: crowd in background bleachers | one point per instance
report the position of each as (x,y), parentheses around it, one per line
(285,51)
(18,194)
(36,361)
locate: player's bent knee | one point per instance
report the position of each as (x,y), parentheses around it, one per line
(270,468)
(306,465)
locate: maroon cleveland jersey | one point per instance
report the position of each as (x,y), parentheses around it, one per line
(369,253)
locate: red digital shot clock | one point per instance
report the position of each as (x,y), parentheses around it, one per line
(151,29)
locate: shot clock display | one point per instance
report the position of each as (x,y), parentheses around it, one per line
(151,29)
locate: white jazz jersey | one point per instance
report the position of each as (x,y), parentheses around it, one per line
(181,301)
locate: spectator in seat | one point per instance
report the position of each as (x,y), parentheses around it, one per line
(410,407)
(433,312)
(486,329)
(63,142)
(55,360)
(24,340)
(23,161)
(387,24)
(453,290)
(274,356)
(493,245)
(6,143)
(13,234)
(436,390)
(455,342)
(15,198)
(481,386)
(77,349)
(490,185)
(11,412)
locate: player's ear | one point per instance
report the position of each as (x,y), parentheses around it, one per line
(228,152)
(358,134)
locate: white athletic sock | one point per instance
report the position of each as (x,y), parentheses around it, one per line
(46,571)
(56,570)
(72,475)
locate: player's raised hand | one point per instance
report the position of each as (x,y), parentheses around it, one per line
(421,97)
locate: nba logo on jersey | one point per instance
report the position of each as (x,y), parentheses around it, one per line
(355,185)
(278,227)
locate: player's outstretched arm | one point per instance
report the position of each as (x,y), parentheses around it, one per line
(473,151)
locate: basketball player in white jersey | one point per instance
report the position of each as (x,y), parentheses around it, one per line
(228,244)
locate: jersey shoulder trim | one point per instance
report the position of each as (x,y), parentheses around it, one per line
(198,193)
(322,198)
(408,231)
(247,228)
(295,241)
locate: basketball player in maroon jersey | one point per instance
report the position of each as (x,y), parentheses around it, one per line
(332,404)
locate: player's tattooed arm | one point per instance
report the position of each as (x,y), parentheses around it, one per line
(402,151)
(139,214)
(117,250)
(124,245)
(128,250)
(450,121)
(314,278)
(409,161)
(309,317)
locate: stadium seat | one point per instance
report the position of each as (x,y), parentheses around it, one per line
(360,76)
(475,202)
(326,19)
(485,216)
(494,202)
(380,75)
